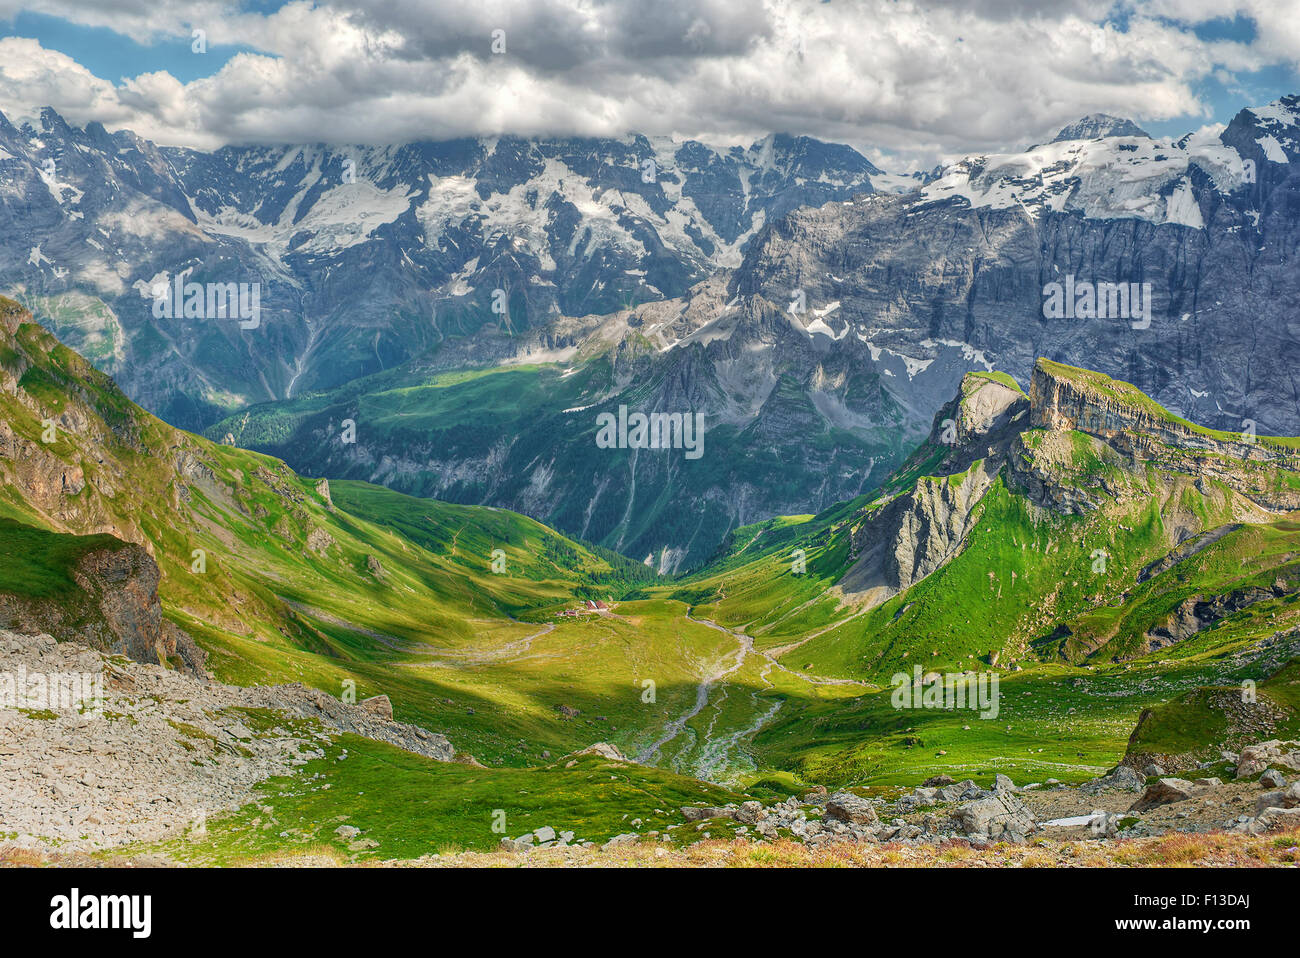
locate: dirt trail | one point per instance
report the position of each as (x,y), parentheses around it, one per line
(718,756)
(782,650)
(510,650)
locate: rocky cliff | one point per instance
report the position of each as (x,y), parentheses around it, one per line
(1079,443)
(368,256)
(111,605)
(1136,429)
(831,343)
(919,530)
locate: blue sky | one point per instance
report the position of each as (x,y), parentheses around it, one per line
(911,82)
(112,56)
(1225,96)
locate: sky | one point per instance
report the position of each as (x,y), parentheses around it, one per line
(908,84)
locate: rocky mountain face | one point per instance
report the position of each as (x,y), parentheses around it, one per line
(112,607)
(1097,125)
(109,513)
(366,256)
(1080,520)
(1198,230)
(1062,398)
(787,426)
(992,425)
(917,532)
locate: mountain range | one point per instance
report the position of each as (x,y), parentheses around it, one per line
(368,256)
(819,360)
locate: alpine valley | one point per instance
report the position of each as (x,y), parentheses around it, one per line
(312,670)
(932,569)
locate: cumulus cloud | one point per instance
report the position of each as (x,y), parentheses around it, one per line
(918,80)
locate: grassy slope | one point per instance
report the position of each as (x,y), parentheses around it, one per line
(39,563)
(411,806)
(1129,395)
(1195,723)
(476,655)
(433,630)
(1023,574)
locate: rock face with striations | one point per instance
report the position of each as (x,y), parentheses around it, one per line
(816,323)
(1077,443)
(1001,817)
(1064,398)
(917,532)
(959,266)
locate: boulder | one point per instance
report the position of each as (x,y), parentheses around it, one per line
(1121,777)
(522,844)
(618,841)
(1003,817)
(1163,792)
(1272,779)
(1255,759)
(699,813)
(605,750)
(1275,819)
(1004,784)
(1289,798)
(379,706)
(938,781)
(1104,824)
(847,807)
(1125,777)
(1153,771)
(959,791)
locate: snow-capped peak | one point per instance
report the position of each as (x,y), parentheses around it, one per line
(1098,125)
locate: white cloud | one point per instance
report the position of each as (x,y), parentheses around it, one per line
(918,80)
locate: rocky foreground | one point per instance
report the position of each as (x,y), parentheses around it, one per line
(162,751)
(1124,804)
(1280,849)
